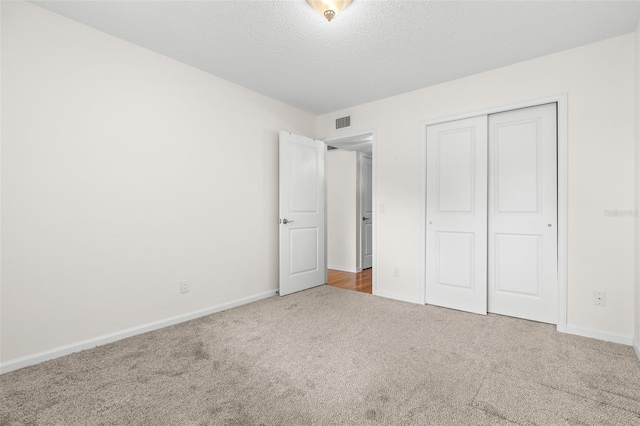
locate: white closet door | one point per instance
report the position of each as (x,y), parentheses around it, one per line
(457,215)
(523,214)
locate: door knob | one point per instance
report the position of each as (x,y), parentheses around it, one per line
(285,221)
(364,218)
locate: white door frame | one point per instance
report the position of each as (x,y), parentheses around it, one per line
(561,100)
(374,212)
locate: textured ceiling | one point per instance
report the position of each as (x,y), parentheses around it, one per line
(374,49)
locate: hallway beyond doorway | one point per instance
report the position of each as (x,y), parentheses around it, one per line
(360,281)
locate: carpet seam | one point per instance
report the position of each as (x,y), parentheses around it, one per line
(589,399)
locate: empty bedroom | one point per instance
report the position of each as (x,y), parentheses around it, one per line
(190,191)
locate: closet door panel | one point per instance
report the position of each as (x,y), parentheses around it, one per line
(523,213)
(456,208)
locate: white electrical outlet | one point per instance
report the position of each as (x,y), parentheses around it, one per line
(396,271)
(185,286)
(599,298)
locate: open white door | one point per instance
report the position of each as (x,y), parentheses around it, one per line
(457,215)
(302,223)
(366,208)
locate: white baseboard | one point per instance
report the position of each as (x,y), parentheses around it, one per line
(636,347)
(344,269)
(397,296)
(595,334)
(37,358)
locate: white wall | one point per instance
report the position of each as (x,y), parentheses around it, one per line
(636,342)
(0,187)
(341,181)
(123,172)
(599,80)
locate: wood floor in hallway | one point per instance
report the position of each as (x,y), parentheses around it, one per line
(351,281)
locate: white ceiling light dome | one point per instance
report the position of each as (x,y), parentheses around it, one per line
(329,8)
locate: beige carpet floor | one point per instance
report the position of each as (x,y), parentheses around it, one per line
(334,357)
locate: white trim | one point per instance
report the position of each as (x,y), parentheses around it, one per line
(374,199)
(28,360)
(359,191)
(601,335)
(636,222)
(563,212)
(563,258)
(0,208)
(374,213)
(503,108)
(398,296)
(423,215)
(344,269)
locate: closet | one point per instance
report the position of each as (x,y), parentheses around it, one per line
(491,211)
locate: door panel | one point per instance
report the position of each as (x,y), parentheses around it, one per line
(455,259)
(456,171)
(517,167)
(457,215)
(304,250)
(302,222)
(304,169)
(366,195)
(519,268)
(523,213)
(367,245)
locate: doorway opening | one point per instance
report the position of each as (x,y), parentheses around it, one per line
(350,194)
(360,281)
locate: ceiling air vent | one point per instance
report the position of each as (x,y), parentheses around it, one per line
(343,122)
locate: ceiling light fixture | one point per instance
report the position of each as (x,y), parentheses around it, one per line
(329,8)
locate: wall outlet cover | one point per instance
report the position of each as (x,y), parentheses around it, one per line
(185,286)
